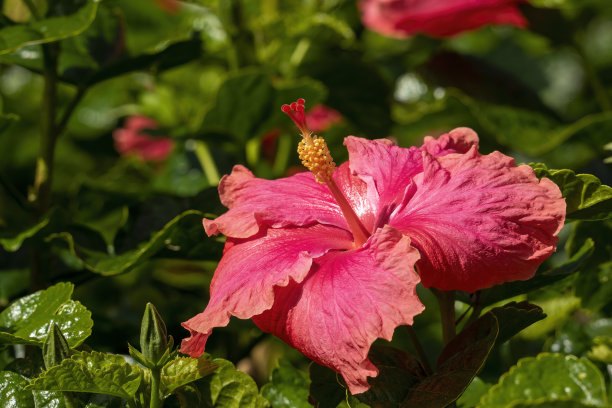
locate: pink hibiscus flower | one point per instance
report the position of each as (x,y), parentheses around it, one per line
(132,139)
(326,261)
(438,18)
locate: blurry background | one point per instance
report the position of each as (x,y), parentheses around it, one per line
(161,98)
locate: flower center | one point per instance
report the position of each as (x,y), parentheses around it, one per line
(316,157)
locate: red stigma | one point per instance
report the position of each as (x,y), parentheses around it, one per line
(297,113)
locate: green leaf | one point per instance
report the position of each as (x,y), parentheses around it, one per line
(558,309)
(183,370)
(14,242)
(327,389)
(12,392)
(398,373)
(13,37)
(173,55)
(94,372)
(514,317)
(6,121)
(511,289)
(356,89)
(528,131)
(241,116)
(44,399)
(602,350)
(458,363)
(230,388)
(473,393)
(552,377)
(403,383)
(593,285)
(105,264)
(585,196)
(288,387)
(28,319)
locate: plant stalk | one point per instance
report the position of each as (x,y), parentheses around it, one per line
(601,94)
(419,350)
(40,194)
(446,301)
(156,401)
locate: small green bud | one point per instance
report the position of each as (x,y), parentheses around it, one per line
(153,335)
(55,348)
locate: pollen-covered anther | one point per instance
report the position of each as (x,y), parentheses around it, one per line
(315,156)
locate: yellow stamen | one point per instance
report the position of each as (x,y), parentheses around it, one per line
(315,156)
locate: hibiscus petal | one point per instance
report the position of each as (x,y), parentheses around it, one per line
(468,15)
(479,220)
(291,201)
(459,140)
(387,169)
(347,301)
(401,18)
(249,270)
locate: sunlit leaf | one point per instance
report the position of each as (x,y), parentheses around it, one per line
(27,320)
(586,198)
(183,370)
(553,377)
(288,387)
(230,388)
(93,372)
(12,393)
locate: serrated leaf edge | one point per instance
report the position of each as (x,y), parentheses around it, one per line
(77,358)
(540,356)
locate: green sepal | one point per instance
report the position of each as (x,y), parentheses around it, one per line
(55,348)
(137,355)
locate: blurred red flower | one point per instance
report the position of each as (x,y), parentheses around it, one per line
(132,139)
(438,18)
(169,6)
(320,118)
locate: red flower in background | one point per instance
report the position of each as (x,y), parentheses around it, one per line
(169,6)
(132,139)
(320,118)
(438,18)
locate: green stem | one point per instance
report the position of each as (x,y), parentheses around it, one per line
(44,165)
(477,308)
(601,94)
(61,125)
(419,350)
(446,301)
(156,401)
(40,195)
(207,162)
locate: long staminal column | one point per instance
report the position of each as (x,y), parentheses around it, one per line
(316,157)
